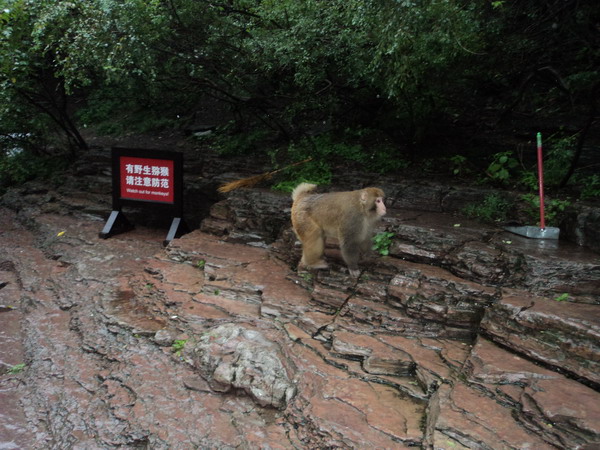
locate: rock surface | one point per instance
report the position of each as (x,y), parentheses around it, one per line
(232,356)
(564,335)
(455,340)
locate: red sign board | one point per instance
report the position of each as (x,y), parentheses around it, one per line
(151,179)
(147,179)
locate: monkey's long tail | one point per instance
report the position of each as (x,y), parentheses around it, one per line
(254,180)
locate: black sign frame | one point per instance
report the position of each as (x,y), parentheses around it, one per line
(117,222)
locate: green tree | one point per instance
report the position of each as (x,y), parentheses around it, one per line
(295,68)
(33,94)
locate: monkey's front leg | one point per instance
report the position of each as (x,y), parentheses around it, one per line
(366,248)
(351,254)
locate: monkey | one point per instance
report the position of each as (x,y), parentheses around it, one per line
(348,216)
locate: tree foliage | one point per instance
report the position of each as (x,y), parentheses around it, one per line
(400,66)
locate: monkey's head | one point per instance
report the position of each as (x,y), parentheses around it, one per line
(372,200)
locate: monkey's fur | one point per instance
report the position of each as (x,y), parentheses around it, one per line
(348,216)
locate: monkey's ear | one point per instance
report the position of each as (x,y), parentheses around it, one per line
(363,197)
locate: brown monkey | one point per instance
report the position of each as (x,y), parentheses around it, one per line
(348,216)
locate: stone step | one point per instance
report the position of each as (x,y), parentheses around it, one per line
(518,404)
(557,333)
(491,256)
(469,249)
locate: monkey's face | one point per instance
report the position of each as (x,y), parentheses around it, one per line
(373,201)
(380,207)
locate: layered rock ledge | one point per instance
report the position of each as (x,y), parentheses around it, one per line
(463,337)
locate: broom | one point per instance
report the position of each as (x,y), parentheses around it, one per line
(254,180)
(530,231)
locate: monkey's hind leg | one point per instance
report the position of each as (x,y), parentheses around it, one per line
(313,246)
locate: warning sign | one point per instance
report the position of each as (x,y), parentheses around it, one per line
(150,179)
(147,179)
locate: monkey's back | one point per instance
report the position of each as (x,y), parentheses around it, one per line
(330,212)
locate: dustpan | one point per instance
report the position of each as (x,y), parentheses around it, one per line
(530,231)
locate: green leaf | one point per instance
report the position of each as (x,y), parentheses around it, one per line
(18,368)
(562,297)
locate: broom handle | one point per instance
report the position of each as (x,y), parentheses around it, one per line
(541,180)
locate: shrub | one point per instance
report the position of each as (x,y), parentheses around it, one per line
(494,208)
(17,168)
(502,166)
(382,242)
(590,187)
(553,208)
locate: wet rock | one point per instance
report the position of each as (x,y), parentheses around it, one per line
(582,226)
(335,408)
(485,263)
(13,433)
(333,298)
(461,416)
(165,337)
(460,245)
(556,267)
(220,221)
(234,357)
(254,216)
(418,196)
(429,237)
(250,280)
(435,360)
(470,250)
(377,357)
(258,213)
(363,314)
(561,334)
(197,384)
(213,251)
(493,257)
(129,310)
(337,362)
(565,413)
(434,294)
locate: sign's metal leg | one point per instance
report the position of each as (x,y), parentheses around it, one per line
(116,223)
(178,228)
(152,179)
